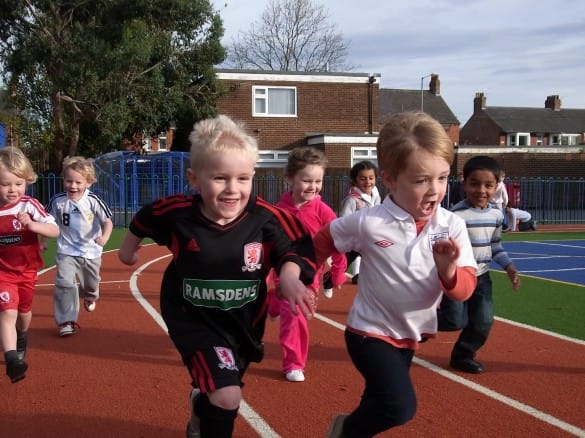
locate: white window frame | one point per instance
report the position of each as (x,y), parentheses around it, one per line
(272,158)
(362,153)
(262,92)
(162,139)
(514,139)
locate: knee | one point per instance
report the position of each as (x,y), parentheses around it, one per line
(396,413)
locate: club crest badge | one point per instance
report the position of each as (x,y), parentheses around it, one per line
(252,257)
(226,358)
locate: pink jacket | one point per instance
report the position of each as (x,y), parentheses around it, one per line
(313,215)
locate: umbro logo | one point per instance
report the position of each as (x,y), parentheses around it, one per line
(384,243)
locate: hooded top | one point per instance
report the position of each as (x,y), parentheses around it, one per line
(313,215)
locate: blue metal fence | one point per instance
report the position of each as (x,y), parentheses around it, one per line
(127,182)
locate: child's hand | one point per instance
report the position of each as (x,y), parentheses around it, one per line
(101,241)
(24,218)
(445,253)
(297,294)
(513,276)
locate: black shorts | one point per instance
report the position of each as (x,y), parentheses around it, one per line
(211,361)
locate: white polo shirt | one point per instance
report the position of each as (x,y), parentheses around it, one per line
(399,288)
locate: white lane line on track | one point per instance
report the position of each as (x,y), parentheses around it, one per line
(265,431)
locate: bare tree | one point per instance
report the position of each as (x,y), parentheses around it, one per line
(291,35)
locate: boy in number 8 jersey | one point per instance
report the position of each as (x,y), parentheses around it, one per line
(85,223)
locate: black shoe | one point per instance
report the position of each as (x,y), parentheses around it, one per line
(467,365)
(15,369)
(21,341)
(355,278)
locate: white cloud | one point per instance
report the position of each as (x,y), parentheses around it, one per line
(516,52)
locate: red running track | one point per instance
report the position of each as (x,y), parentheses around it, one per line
(120,376)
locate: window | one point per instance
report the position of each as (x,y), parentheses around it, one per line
(364,153)
(539,140)
(519,139)
(275,101)
(272,159)
(564,139)
(162,143)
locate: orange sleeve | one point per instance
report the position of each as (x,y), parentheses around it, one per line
(465,282)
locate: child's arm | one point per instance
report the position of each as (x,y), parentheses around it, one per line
(44,229)
(107,228)
(128,252)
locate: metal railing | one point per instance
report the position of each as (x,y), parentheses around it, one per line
(549,200)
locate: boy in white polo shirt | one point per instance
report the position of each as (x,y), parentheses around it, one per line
(413,251)
(85,223)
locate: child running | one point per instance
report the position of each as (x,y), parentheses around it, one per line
(224,241)
(484,225)
(85,223)
(304,174)
(413,251)
(22,220)
(362,194)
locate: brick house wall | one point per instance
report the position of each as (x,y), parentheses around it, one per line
(339,104)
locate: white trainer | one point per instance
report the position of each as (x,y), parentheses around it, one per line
(295,376)
(89,305)
(68,328)
(328,293)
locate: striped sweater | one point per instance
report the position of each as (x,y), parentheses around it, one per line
(485,231)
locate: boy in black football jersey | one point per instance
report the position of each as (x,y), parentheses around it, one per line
(224,242)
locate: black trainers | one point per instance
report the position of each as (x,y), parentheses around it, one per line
(21,341)
(355,279)
(193,423)
(16,369)
(467,365)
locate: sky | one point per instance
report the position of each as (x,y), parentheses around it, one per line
(516,52)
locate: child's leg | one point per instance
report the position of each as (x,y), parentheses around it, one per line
(451,315)
(294,338)
(481,319)
(89,279)
(8,329)
(388,399)
(66,295)
(215,421)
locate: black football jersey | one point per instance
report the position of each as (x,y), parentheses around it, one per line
(217,275)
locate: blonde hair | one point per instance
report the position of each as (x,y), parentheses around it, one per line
(403,133)
(219,134)
(83,166)
(14,161)
(301,157)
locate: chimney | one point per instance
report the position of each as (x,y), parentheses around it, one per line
(479,103)
(435,85)
(553,102)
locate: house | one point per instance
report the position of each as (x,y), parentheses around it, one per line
(334,112)
(524,127)
(429,101)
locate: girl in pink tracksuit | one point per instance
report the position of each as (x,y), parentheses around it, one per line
(304,175)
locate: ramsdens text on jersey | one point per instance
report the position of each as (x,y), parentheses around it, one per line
(220,294)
